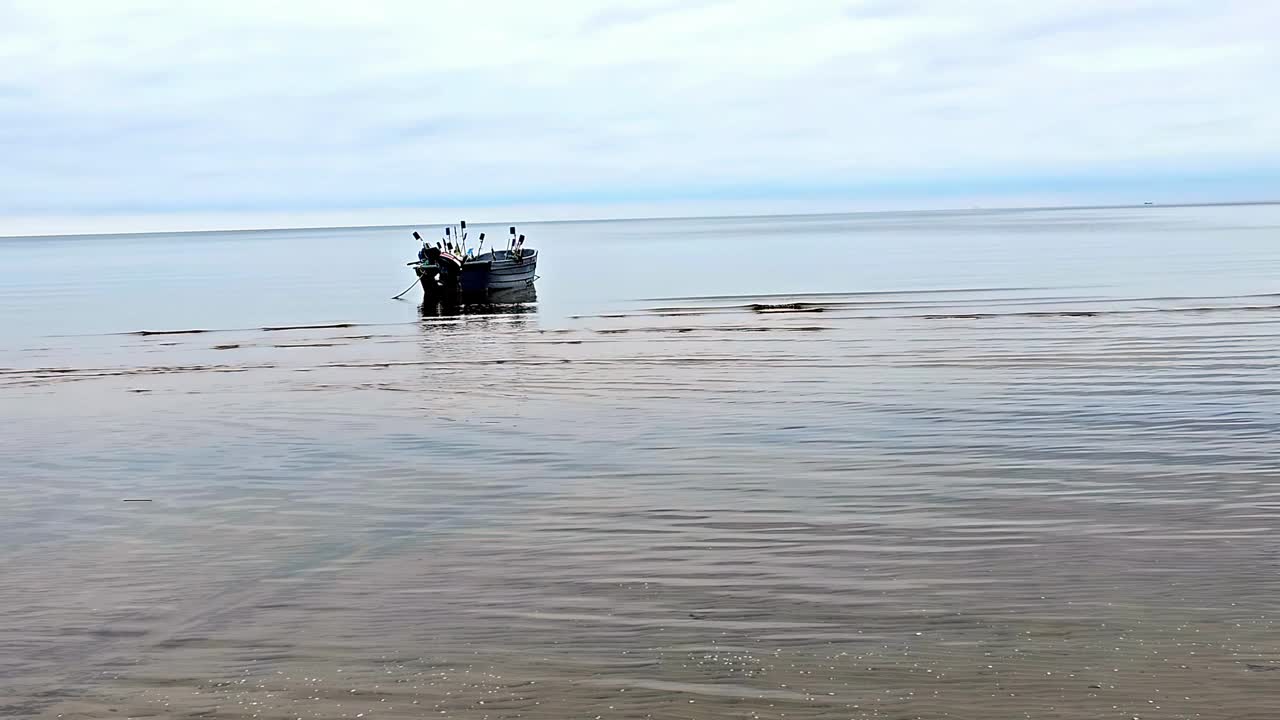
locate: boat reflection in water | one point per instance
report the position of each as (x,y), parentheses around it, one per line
(515,301)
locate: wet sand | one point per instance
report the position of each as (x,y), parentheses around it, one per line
(891,510)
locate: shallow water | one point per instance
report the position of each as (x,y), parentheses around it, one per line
(966,465)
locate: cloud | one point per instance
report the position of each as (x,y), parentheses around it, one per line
(149,106)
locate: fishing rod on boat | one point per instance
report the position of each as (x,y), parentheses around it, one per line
(422,251)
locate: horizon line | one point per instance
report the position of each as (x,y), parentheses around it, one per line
(659,218)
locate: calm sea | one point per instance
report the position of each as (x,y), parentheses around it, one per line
(1015,464)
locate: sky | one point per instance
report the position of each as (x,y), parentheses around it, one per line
(152,114)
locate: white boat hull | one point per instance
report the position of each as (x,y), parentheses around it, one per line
(507,272)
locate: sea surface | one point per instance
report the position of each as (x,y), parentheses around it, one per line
(980,464)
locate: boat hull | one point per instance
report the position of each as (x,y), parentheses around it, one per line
(475,277)
(507,272)
(480,276)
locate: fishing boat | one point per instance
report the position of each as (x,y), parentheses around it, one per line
(450,269)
